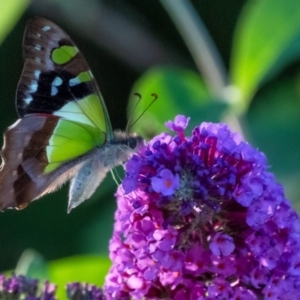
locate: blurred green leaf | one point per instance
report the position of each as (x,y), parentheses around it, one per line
(266,39)
(33,265)
(89,269)
(273,124)
(180,91)
(10,13)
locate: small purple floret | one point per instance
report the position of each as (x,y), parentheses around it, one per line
(222,244)
(166,182)
(179,124)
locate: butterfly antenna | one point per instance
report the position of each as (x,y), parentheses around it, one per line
(134,108)
(155,96)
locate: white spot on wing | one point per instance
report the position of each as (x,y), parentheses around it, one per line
(37,74)
(37,59)
(74,81)
(54,90)
(38,47)
(57,81)
(38,35)
(28,99)
(33,86)
(46,28)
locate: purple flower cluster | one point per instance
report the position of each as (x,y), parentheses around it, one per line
(201,218)
(83,291)
(21,287)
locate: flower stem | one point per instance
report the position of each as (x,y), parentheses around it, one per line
(199,42)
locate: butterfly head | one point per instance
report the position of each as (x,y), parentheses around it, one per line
(134,142)
(131,142)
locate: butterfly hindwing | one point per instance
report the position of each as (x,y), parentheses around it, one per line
(29,166)
(24,159)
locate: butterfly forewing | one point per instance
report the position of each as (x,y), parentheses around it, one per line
(56,78)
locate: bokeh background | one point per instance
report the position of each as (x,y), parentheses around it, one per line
(150,47)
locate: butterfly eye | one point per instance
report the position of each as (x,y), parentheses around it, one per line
(132,143)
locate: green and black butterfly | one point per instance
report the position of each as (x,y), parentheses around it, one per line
(63,131)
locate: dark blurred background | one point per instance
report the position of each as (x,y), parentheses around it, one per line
(121,40)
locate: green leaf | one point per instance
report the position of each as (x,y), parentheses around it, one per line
(10,13)
(33,265)
(180,91)
(89,269)
(266,40)
(273,124)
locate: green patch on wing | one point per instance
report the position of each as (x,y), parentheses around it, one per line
(51,167)
(91,106)
(87,110)
(85,76)
(63,54)
(69,140)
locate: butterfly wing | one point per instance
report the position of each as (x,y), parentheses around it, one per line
(63,117)
(28,169)
(57,80)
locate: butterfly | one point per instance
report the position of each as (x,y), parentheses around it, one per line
(63,131)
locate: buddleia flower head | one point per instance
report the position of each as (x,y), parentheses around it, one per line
(200,217)
(19,287)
